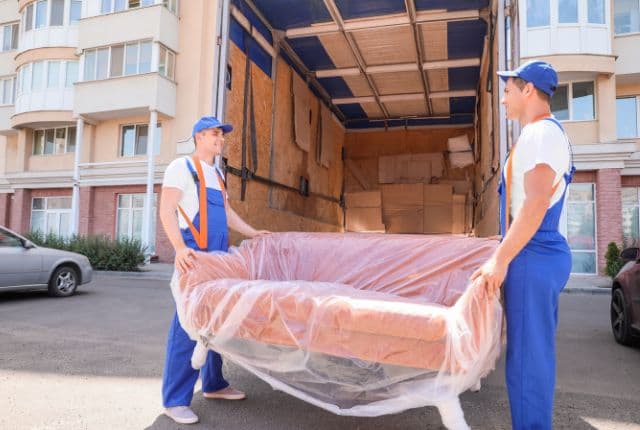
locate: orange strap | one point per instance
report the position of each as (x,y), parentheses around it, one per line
(509,175)
(202,236)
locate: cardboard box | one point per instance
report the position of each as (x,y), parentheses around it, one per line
(438,208)
(365,199)
(402,195)
(364,219)
(410,168)
(404,220)
(458,213)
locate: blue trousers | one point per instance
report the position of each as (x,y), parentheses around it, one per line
(534,281)
(179,377)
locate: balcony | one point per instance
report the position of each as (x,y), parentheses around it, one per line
(626,48)
(48,37)
(125,96)
(55,99)
(7,64)
(6,112)
(9,11)
(153,22)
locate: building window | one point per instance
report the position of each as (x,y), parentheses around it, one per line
(574,101)
(28,18)
(110,6)
(537,13)
(46,74)
(166,62)
(51,13)
(172,5)
(8,90)
(75,11)
(595,11)
(57,13)
(50,141)
(568,11)
(134,140)
(630,220)
(10,37)
(627,117)
(117,60)
(626,16)
(51,215)
(41,14)
(130,216)
(72,73)
(581,227)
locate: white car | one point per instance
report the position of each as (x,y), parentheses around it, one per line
(25,266)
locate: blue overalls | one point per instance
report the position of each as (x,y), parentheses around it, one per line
(534,280)
(179,378)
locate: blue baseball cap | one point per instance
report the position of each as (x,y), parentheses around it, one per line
(541,74)
(210,122)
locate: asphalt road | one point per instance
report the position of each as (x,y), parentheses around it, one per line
(94,361)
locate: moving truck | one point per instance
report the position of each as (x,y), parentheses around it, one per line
(371,116)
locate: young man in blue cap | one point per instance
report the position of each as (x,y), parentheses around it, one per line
(533,259)
(182,207)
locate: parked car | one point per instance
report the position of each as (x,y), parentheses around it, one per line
(25,266)
(625,299)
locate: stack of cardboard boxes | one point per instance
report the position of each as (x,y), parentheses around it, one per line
(413,197)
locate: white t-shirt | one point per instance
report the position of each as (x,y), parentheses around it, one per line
(541,142)
(179,176)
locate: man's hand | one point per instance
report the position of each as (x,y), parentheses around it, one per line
(490,276)
(185,258)
(258,233)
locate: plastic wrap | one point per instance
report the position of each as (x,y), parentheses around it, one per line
(358,324)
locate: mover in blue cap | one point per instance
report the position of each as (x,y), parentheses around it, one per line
(533,260)
(193,187)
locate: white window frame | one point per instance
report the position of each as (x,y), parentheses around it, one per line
(66,15)
(127,6)
(140,212)
(13,45)
(172,6)
(637,135)
(46,211)
(569,85)
(637,206)
(12,100)
(86,78)
(157,143)
(554,15)
(565,225)
(25,76)
(169,58)
(614,20)
(67,143)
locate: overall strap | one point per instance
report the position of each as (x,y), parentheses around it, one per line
(223,190)
(201,237)
(509,176)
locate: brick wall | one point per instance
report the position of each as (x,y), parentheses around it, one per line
(20,214)
(5,206)
(608,211)
(101,217)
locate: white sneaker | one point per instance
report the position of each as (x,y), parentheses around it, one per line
(181,414)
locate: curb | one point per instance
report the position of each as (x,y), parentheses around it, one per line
(165,276)
(158,276)
(588,290)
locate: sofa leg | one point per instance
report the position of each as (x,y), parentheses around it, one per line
(199,356)
(452,415)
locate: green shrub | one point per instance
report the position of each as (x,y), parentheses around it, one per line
(614,261)
(104,253)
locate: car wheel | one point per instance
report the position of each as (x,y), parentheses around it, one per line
(620,318)
(63,282)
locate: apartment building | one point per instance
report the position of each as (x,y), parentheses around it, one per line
(87,85)
(594,46)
